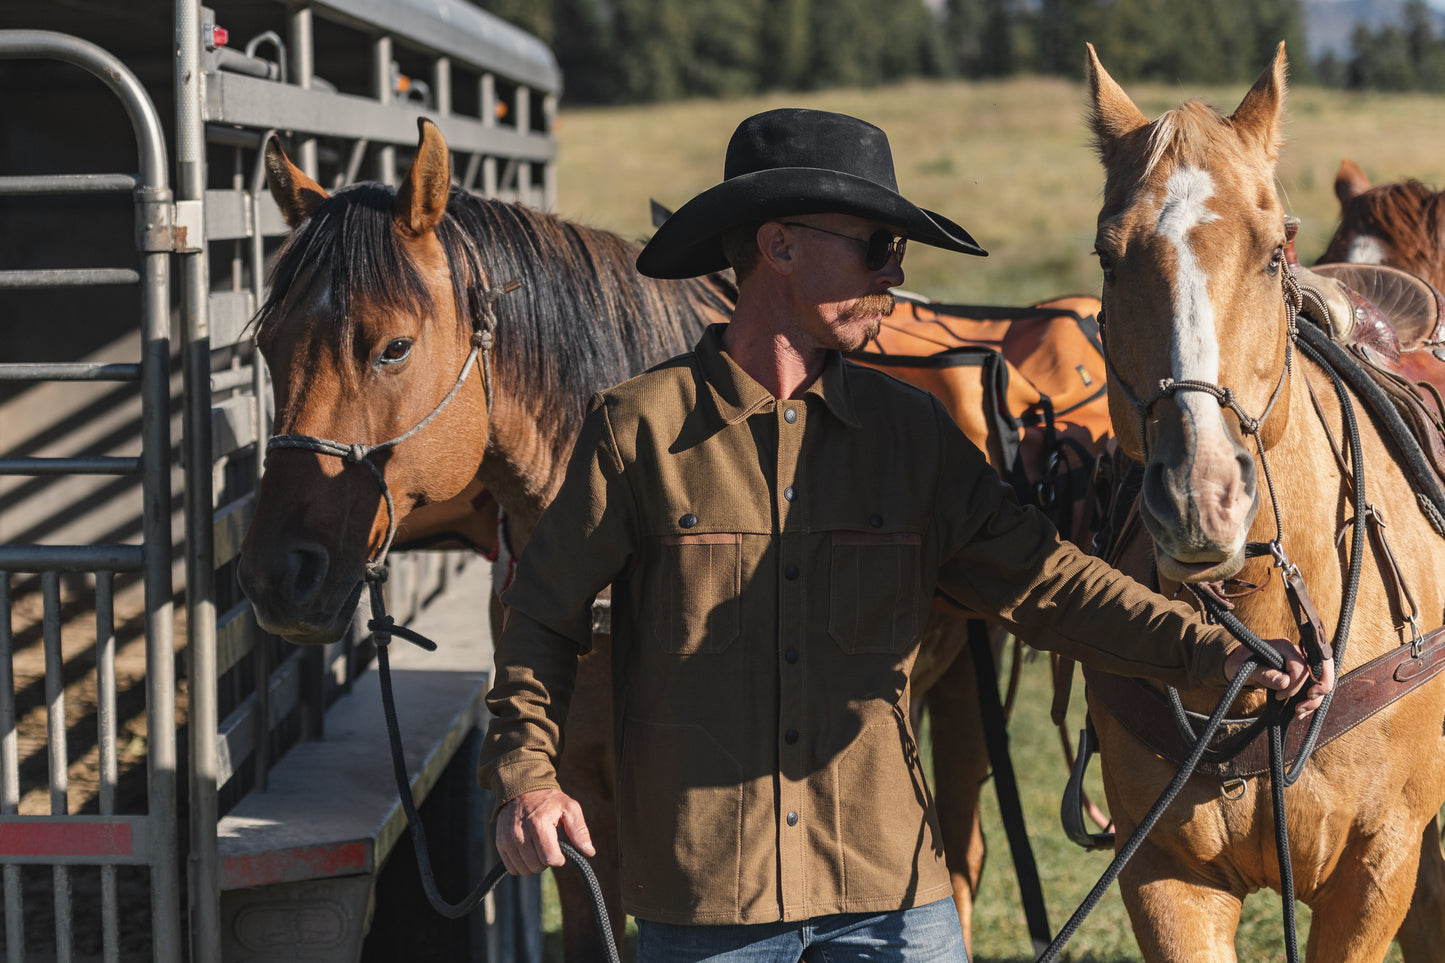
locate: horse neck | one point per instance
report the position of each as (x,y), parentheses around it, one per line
(521,466)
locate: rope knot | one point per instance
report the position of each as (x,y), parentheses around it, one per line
(1165,384)
(355,454)
(482,339)
(381,629)
(376,572)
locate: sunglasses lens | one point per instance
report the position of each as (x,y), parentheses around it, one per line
(882,245)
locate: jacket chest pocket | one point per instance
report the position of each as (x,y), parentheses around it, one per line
(702,576)
(874,590)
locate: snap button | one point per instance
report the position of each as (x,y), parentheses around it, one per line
(688,520)
(792,656)
(790,415)
(791,736)
(792,819)
(875,520)
(788,493)
(790,572)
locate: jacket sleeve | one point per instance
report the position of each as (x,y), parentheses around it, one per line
(581,543)
(1007,560)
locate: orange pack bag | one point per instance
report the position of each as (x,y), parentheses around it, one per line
(1027,385)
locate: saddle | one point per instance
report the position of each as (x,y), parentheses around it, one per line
(1393,323)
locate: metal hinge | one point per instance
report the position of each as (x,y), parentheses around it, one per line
(164,225)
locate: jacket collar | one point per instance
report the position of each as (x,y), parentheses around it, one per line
(736,395)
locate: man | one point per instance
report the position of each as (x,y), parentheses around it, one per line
(774,522)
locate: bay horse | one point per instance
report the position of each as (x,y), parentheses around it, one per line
(1209,391)
(1400,224)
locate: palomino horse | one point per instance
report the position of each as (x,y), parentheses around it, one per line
(1400,224)
(375,299)
(1210,390)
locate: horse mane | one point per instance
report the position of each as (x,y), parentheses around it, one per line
(582,318)
(1410,215)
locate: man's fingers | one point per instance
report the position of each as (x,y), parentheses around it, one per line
(577,831)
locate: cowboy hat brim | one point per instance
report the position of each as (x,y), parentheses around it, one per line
(688,244)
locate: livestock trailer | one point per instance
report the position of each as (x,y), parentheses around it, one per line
(174,783)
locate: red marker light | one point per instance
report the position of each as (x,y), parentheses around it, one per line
(220,36)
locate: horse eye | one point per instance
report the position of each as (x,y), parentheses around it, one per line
(1275,260)
(1106,264)
(396,351)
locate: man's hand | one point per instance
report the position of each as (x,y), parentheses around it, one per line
(1290,679)
(527,831)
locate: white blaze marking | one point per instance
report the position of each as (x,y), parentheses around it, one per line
(1195,348)
(1366,249)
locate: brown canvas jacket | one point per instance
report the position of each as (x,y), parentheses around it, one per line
(772,563)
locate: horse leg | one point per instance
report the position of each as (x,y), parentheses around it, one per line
(960,764)
(1177,919)
(585,772)
(1359,909)
(1423,932)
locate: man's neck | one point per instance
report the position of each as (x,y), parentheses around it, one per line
(773,351)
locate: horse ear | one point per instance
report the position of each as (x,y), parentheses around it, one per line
(1259,116)
(421,201)
(1350,181)
(1112,114)
(297,195)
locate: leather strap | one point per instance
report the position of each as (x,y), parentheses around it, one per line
(1144,712)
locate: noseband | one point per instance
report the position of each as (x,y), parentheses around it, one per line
(1168,387)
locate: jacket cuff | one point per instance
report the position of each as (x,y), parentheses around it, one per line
(1210,653)
(510,780)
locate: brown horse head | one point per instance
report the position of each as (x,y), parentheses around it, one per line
(1191,241)
(1400,224)
(377,299)
(363,333)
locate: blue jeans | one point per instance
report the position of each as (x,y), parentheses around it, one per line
(924,934)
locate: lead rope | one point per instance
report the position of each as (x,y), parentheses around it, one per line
(384,627)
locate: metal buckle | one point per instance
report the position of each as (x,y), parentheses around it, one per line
(1233,789)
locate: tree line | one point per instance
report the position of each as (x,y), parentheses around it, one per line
(632,51)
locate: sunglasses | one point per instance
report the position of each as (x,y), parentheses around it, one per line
(881,245)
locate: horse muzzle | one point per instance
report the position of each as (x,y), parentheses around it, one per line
(298,593)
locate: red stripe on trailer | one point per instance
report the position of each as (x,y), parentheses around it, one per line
(65,839)
(295,865)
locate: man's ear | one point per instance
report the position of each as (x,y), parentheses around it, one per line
(775,247)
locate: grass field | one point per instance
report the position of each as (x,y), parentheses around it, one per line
(1011,162)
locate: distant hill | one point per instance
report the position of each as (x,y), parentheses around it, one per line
(1329,23)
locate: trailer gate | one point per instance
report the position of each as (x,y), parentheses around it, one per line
(344,80)
(109,839)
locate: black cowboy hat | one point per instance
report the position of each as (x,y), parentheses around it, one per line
(794,161)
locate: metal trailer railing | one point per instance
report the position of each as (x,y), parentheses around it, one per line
(109,839)
(346,80)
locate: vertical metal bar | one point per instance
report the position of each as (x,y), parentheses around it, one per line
(260,388)
(58,757)
(524,124)
(488,98)
(381,87)
(203,862)
(549,168)
(106,728)
(10,776)
(303,68)
(441,85)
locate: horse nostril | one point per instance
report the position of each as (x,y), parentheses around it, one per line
(306,572)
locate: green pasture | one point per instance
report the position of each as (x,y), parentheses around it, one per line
(1011,161)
